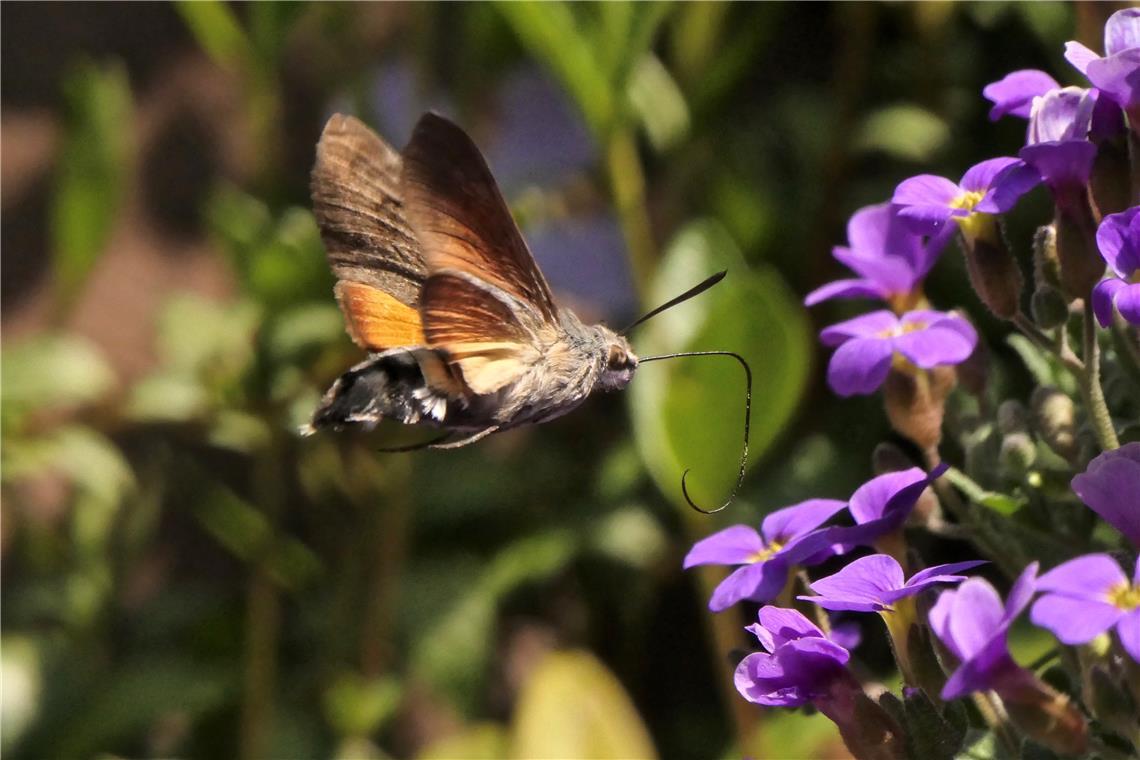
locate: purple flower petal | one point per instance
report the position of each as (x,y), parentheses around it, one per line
(1128,303)
(934,346)
(1014,93)
(976,617)
(1087,577)
(1108,476)
(1061,164)
(789,523)
(1103,296)
(1079,55)
(926,189)
(1118,238)
(1118,77)
(859,366)
(1014,181)
(1128,631)
(1073,621)
(735,545)
(781,625)
(893,273)
(870,501)
(1122,31)
(759,582)
(873,325)
(1021,593)
(980,177)
(1061,115)
(760,678)
(847,634)
(845,289)
(947,571)
(861,586)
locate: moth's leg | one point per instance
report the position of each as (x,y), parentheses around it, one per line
(461,442)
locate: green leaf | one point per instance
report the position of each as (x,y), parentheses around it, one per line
(52,370)
(658,103)
(92,174)
(136,696)
(200,337)
(903,131)
(572,706)
(688,413)
(216,28)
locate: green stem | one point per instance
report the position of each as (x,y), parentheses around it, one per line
(1058,348)
(627,183)
(1091,388)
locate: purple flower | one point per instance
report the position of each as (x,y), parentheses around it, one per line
(1057,145)
(881,506)
(1087,596)
(1014,93)
(1117,74)
(928,202)
(1118,238)
(875,583)
(767,556)
(802,665)
(868,345)
(890,259)
(972,622)
(1109,487)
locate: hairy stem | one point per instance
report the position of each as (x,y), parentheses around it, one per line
(1091,388)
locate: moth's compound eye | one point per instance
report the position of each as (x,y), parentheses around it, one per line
(618,358)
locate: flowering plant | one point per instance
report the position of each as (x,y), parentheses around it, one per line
(1047,493)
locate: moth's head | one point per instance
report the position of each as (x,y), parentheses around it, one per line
(619,360)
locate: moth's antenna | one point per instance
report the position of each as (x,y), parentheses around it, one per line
(694,291)
(747,400)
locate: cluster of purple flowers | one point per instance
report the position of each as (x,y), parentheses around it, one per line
(891,248)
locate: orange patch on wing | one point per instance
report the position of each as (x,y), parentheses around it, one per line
(375,320)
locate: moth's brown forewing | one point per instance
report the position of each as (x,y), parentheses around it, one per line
(373,252)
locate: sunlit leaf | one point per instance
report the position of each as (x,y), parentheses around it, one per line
(789,733)
(903,131)
(688,413)
(482,741)
(92,173)
(572,706)
(196,335)
(21,674)
(167,397)
(658,103)
(52,370)
(357,706)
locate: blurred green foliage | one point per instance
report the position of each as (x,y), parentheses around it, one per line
(184,575)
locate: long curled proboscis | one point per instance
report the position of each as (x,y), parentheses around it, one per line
(747,424)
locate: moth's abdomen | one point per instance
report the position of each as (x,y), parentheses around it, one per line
(387,386)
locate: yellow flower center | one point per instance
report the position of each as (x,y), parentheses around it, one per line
(968,200)
(765,553)
(1125,596)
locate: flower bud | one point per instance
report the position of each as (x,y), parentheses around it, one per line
(974,373)
(1046,265)
(916,403)
(1049,718)
(887,457)
(1110,703)
(1049,307)
(1081,262)
(992,269)
(1017,455)
(1110,181)
(1054,419)
(1012,417)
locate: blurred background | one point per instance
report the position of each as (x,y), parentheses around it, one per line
(184,576)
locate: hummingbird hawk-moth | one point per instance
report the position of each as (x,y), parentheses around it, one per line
(436,283)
